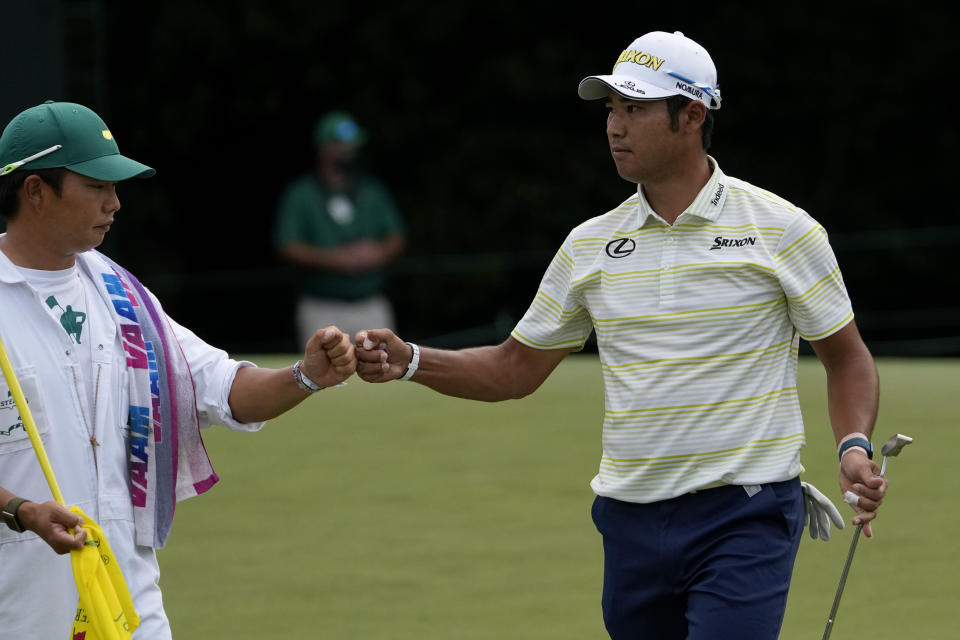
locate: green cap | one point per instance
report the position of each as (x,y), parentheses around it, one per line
(340,127)
(64,134)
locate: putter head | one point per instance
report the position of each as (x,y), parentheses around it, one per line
(895,445)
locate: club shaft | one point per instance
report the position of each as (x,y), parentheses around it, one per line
(846,569)
(843,582)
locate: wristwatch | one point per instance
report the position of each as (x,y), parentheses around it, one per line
(863,443)
(303,381)
(414,363)
(10,514)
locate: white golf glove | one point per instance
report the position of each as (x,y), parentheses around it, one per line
(819,512)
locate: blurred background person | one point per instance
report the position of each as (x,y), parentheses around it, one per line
(339,224)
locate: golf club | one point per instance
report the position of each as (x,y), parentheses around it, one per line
(892,447)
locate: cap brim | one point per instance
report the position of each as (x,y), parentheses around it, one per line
(599,87)
(112,168)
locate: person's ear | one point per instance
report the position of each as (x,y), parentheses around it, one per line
(33,191)
(694,115)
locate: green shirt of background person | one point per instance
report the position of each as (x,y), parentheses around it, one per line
(340,225)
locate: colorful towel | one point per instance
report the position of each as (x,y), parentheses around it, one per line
(167,460)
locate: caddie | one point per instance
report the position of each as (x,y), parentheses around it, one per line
(119,391)
(698,286)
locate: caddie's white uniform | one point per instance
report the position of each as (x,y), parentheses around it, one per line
(698,327)
(72,399)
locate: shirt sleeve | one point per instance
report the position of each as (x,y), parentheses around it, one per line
(556,318)
(213,373)
(817,299)
(290,219)
(389,220)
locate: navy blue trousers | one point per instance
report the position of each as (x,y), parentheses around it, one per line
(715,564)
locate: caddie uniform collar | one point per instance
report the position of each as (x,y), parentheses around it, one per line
(707,205)
(9,274)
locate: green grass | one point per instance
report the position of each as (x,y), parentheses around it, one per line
(389,511)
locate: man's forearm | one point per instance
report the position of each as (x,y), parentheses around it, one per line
(492,373)
(260,394)
(853,387)
(391,247)
(853,396)
(314,257)
(853,393)
(359,255)
(6,496)
(481,373)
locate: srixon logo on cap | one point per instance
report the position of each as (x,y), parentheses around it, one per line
(641,58)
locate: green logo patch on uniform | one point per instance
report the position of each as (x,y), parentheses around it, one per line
(71,321)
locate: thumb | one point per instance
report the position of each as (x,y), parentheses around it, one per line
(70,521)
(320,338)
(330,337)
(369,339)
(859,468)
(870,475)
(68,518)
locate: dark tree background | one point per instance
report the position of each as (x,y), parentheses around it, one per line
(475,125)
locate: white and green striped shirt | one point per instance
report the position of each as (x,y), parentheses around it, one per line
(697,326)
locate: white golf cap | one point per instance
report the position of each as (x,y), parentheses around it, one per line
(658,65)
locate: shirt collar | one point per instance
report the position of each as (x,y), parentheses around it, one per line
(707,205)
(8,271)
(10,274)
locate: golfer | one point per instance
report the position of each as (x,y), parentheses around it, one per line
(698,286)
(120,398)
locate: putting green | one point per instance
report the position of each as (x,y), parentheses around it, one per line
(388,511)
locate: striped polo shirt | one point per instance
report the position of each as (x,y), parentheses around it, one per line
(697,327)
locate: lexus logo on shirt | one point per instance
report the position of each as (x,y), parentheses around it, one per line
(620,247)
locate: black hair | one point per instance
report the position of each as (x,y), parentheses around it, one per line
(675,105)
(10,185)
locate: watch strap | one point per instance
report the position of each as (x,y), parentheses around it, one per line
(303,381)
(862,443)
(414,363)
(10,514)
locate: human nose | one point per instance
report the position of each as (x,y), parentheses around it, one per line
(113,202)
(614,125)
